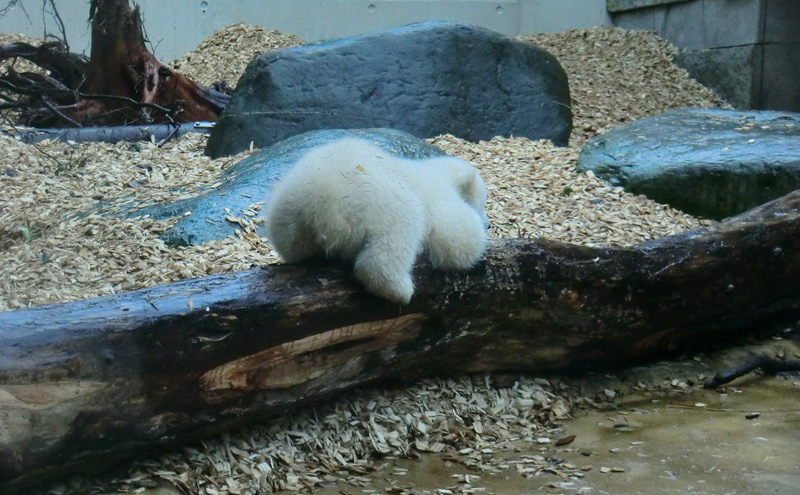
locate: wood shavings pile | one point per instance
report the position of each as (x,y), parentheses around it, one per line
(48,256)
(465,417)
(616,76)
(224,55)
(534,191)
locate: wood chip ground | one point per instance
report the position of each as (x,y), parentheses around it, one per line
(49,256)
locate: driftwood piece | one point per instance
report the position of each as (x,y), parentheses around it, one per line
(768,365)
(113,134)
(91,382)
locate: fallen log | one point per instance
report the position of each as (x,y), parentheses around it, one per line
(113,134)
(88,383)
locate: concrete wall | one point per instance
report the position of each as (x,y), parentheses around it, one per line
(746,50)
(177,26)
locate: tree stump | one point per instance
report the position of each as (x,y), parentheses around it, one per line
(121,83)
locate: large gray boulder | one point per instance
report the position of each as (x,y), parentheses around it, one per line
(708,162)
(426,79)
(251,180)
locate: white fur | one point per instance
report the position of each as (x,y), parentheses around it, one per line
(353,200)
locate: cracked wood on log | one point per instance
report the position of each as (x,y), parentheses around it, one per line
(87,383)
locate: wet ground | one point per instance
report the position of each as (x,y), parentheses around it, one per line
(670,446)
(660,433)
(681,439)
(701,443)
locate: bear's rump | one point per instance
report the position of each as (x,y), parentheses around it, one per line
(352,206)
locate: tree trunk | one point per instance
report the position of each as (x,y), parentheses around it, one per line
(92,382)
(122,83)
(121,65)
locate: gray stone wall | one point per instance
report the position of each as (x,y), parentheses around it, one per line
(746,50)
(623,5)
(176,26)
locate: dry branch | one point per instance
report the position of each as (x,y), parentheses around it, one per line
(68,68)
(765,363)
(88,383)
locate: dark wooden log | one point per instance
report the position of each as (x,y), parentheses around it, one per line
(91,382)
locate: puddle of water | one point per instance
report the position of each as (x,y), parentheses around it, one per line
(675,446)
(654,447)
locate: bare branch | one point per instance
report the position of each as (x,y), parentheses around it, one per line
(60,22)
(168,112)
(68,67)
(58,112)
(11,5)
(153,370)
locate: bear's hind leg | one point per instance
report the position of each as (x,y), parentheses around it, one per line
(385,262)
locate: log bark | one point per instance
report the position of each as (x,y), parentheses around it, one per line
(91,382)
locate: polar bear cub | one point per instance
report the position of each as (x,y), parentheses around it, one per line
(353,200)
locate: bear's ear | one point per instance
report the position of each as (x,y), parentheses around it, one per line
(471,187)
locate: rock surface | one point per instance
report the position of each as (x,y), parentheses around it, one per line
(712,163)
(251,180)
(426,79)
